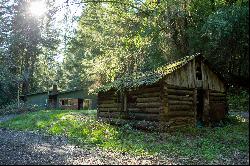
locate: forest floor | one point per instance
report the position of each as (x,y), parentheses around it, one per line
(71,137)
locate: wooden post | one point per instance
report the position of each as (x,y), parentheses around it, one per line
(195,106)
(206,108)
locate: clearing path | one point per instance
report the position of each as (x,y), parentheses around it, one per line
(29,148)
(32,148)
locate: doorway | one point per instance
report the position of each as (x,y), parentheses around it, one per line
(199,108)
(80,104)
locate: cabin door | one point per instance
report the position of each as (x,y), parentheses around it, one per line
(202,107)
(199,108)
(80,104)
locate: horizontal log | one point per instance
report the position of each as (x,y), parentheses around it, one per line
(146,90)
(151,89)
(109,109)
(106,101)
(153,94)
(180,113)
(131,105)
(142,116)
(148,99)
(114,105)
(217,94)
(146,110)
(174,102)
(179,92)
(174,97)
(180,107)
(177,87)
(149,105)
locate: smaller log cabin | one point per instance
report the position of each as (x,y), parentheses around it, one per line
(187,92)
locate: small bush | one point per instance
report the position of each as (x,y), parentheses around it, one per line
(12,108)
(238,100)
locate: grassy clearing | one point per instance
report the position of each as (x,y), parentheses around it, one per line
(81,127)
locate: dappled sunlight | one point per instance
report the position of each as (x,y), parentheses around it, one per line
(38,8)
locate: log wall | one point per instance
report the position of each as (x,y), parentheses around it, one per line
(109,105)
(140,104)
(181,106)
(145,103)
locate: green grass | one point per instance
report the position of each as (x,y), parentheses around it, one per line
(82,128)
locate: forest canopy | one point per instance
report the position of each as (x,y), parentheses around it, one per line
(115,38)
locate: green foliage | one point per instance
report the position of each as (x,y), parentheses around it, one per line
(25,40)
(82,128)
(238,101)
(12,108)
(114,40)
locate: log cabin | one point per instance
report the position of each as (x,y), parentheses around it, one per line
(187,92)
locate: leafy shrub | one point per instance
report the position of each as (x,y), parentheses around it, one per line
(12,108)
(238,100)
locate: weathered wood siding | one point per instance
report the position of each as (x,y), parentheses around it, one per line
(210,80)
(183,77)
(181,106)
(186,77)
(218,105)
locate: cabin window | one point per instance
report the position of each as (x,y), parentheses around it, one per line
(67,102)
(198,73)
(87,104)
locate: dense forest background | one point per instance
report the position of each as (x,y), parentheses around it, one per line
(114,38)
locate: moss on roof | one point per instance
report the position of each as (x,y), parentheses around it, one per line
(147,78)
